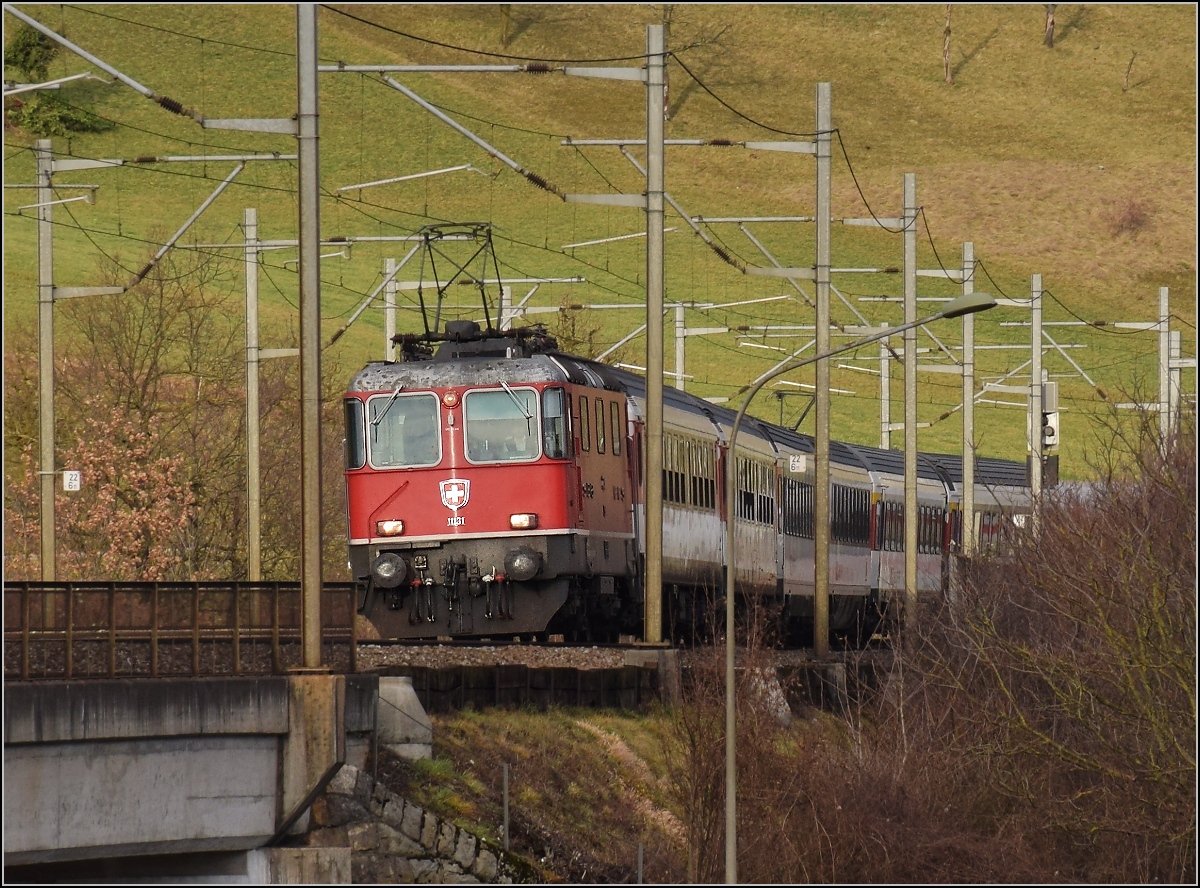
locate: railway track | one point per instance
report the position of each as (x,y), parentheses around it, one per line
(107,630)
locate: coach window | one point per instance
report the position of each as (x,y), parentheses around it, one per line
(797,508)
(502,426)
(851,515)
(356,444)
(585,430)
(756,499)
(599,426)
(554,423)
(673,469)
(702,475)
(402,431)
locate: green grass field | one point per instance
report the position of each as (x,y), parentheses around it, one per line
(1076,162)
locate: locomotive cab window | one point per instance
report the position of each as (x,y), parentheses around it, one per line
(554,423)
(356,444)
(502,426)
(402,431)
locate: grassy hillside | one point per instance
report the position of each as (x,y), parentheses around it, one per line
(1077,163)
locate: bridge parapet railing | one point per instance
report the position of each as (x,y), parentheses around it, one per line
(76,630)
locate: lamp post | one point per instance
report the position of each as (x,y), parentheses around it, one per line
(962,305)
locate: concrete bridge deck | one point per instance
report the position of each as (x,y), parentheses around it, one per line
(182,777)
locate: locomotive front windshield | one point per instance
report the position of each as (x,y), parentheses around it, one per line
(402,431)
(502,426)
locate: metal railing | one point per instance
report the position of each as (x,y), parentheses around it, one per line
(82,630)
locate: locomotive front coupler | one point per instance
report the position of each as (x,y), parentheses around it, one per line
(475,586)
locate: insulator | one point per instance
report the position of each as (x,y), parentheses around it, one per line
(171,105)
(538,68)
(537,180)
(144,160)
(721,143)
(720,251)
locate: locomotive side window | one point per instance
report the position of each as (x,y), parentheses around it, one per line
(599,426)
(403,431)
(617,431)
(585,431)
(554,423)
(501,426)
(356,443)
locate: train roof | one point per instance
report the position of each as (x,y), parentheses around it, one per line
(942,467)
(493,357)
(989,471)
(385,376)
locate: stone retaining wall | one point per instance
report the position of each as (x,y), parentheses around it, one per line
(392,840)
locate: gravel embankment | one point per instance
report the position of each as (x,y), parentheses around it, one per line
(376,656)
(379,656)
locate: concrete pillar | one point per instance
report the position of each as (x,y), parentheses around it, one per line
(315,747)
(404,726)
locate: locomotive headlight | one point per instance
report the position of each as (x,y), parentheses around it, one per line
(389,528)
(523,521)
(388,570)
(522,564)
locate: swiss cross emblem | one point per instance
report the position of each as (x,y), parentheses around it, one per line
(455,492)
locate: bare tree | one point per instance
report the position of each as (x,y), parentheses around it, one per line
(151,408)
(505,23)
(670,18)
(576,328)
(1128,71)
(946,45)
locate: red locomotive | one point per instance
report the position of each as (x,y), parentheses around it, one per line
(490,487)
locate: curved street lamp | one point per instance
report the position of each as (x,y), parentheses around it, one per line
(962,305)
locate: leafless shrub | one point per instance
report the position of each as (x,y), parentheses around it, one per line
(1129,216)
